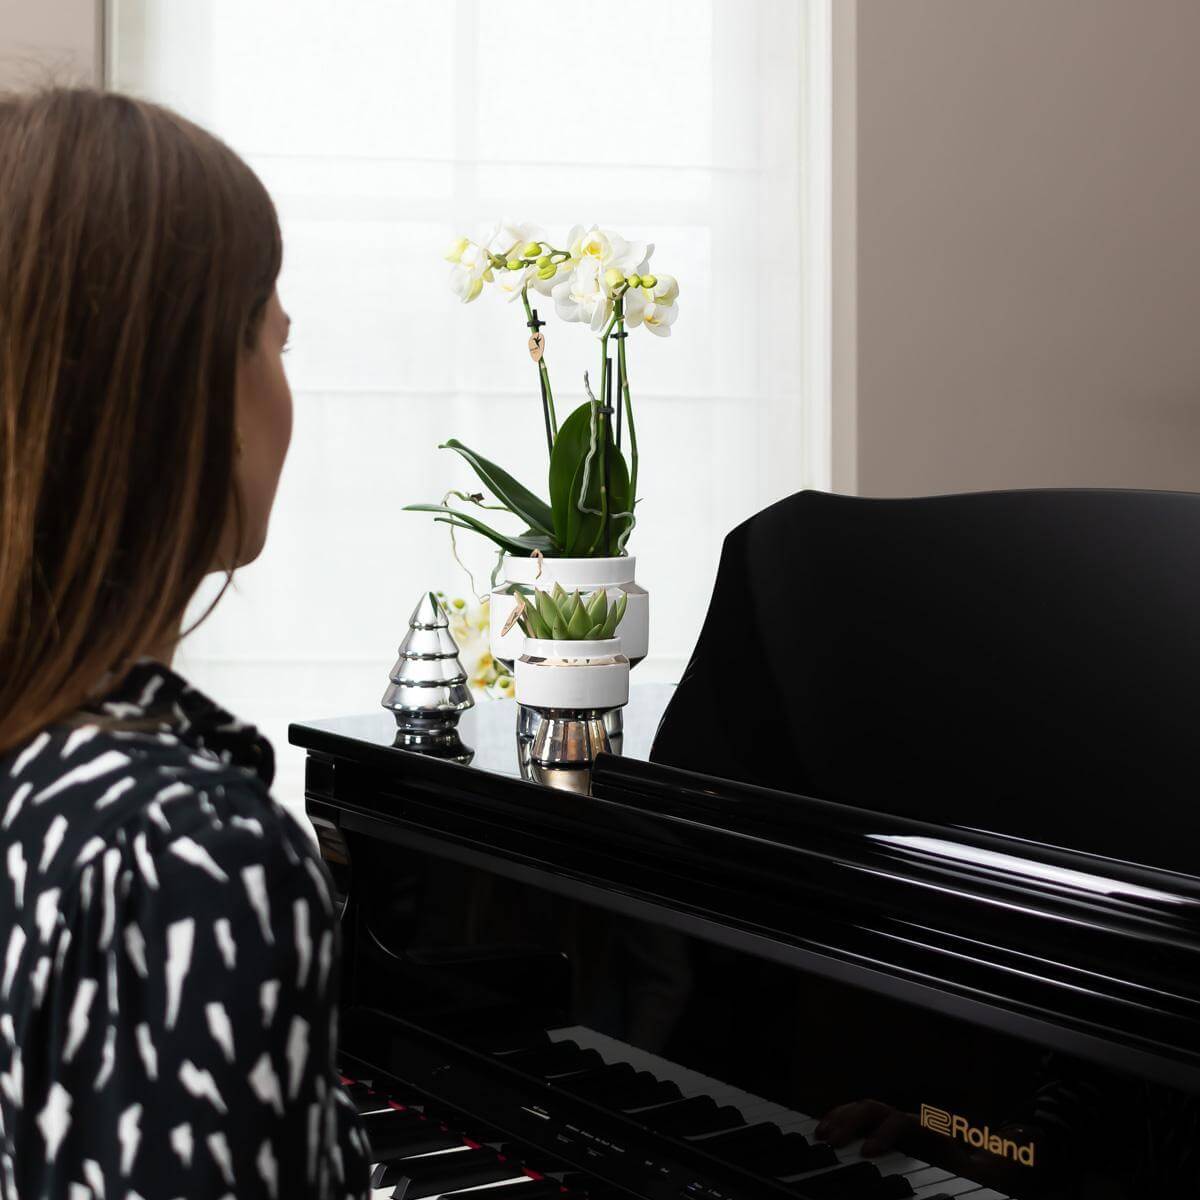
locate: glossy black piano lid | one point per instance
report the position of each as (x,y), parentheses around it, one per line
(1022,662)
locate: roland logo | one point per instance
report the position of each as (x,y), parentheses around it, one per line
(951,1125)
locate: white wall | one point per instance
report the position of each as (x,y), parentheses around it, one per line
(50,41)
(1021,243)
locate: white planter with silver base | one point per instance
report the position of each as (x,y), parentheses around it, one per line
(571,687)
(614,575)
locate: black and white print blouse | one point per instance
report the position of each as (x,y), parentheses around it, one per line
(168,956)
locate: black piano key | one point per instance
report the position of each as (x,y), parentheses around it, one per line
(543,1189)
(384,1129)
(896,1187)
(859,1181)
(586,1187)
(407,1144)
(506,1041)
(620,1086)
(417,1178)
(692,1117)
(559,1058)
(746,1144)
(793,1156)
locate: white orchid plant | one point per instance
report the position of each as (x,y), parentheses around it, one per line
(604,281)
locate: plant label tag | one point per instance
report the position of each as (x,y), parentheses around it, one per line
(537,345)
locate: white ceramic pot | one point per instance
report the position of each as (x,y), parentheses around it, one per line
(576,676)
(614,575)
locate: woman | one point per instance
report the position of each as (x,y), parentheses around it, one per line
(168,948)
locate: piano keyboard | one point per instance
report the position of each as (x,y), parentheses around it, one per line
(425,1150)
(421,1150)
(884,1176)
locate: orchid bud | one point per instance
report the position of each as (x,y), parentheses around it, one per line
(455,250)
(633,280)
(547,272)
(613,278)
(545,261)
(649,281)
(530,249)
(514,264)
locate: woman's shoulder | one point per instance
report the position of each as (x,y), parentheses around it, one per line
(148,803)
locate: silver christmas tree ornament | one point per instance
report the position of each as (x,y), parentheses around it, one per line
(428,689)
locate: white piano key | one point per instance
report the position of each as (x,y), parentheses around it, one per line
(755,1109)
(951,1187)
(930,1175)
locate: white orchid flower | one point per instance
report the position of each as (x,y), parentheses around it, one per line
(655,307)
(470,271)
(510,284)
(600,260)
(507,237)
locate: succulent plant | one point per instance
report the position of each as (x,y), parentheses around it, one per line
(568,616)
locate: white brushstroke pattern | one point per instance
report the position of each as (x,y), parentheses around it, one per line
(201,1084)
(116,790)
(129,1134)
(182,1143)
(52,841)
(180,937)
(265,1083)
(78,737)
(15,804)
(146,1048)
(225,942)
(144,861)
(220,1027)
(30,752)
(94,768)
(254,879)
(55,1119)
(192,852)
(77,1020)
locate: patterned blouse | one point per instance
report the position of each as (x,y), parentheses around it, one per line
(168,965)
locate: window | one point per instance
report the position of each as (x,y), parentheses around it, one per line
(386,128)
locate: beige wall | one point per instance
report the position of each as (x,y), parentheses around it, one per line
(49,41)
(1026,251)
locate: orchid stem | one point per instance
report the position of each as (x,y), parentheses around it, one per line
(548,412)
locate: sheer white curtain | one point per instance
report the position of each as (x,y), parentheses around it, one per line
(383,128)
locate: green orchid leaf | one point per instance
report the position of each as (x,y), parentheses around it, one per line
(619,500)
(514,495)
(570,449)
(583,528)
(521,544)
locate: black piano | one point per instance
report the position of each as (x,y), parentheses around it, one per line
(687,985)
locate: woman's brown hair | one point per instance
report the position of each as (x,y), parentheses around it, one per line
(137,253)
